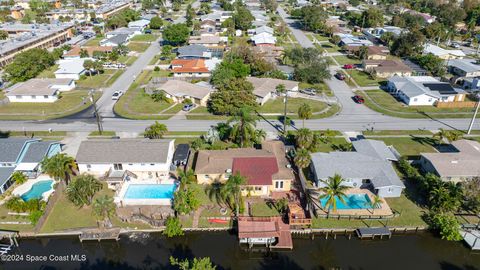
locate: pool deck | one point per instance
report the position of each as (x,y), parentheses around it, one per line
(27,186)
(384,209)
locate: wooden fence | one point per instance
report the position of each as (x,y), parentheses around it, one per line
(456,104)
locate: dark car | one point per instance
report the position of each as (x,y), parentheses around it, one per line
(148,31)
(188,107)
(358,99)
(180,157)
(340,76)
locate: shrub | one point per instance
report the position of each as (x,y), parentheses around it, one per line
(173,227)
(446,225)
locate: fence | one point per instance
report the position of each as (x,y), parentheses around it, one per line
(51,202)
(457,104)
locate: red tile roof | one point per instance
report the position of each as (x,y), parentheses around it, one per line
(189,66)
(257,170)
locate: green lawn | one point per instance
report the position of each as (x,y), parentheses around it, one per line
(363,79)
(48,73)
(69,103)
(396,132)
(385,103)
(144,38)
(261,209)
(127,60)
(99,80)
(277,105)
(327,147)
(320,37)
(329,47)
(162,73)
(174,109)
(105,133)
(343,59)
(410,146)
(320,87)
(5,217)
(138,46)
(94,42)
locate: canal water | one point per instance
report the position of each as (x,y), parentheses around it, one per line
(418,251)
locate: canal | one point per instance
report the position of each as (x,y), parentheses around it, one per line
(417,251)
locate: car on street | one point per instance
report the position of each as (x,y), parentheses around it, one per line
(358,99)
(116,95)
(309,91)
(455,45)
(348,66)
(340,76)
(188,107)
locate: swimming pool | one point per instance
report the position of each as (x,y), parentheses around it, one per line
(150,191)
(352,201)
(37,190)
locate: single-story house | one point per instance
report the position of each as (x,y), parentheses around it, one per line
(179,90)
(423,90)
(373,52)
(266,170)
(70,68)
(386,68)
(24,155)
(144,158)
(130,32)
(261,29)
(139,24)
(454,166)
(194,52)
(39,90)
(265,88)
(75,51)
(352,40)
(443,53)
(376,33)
(115,41)
(464,67)
(369,166)
(338,25)
(269,53)
(208,41)
(264,39)
(189,68)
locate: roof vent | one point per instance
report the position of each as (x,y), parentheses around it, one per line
(455,161)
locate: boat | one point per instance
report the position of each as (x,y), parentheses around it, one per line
(217,220)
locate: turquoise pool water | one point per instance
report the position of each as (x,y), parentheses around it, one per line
(149,191)
(352,201)
(37,190)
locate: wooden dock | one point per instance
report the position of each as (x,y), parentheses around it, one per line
(472,238)
(98,235)
(371,233)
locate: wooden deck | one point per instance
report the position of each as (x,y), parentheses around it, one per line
(373,232)
(98,235)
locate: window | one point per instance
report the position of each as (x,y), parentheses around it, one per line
(18,97)
(89,167)
(390,190)
(143,164)
(45,97)
(151,164)
(118,166)
(34,97)
(279,184)
(258,188)
(415,99)
(366,181)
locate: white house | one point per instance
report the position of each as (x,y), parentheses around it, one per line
(70,68)
(464,67)
(423,90)
(140,158)
(39,90)
(264,39)
(443,53)
(139,25)
(265,88)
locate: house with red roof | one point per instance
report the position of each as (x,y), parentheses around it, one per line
(266,170)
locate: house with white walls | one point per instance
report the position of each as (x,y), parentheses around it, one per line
(39,90)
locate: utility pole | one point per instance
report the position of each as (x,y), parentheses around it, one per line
(474,115)
(285,114)
(97,115)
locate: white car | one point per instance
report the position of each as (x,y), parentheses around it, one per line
(116,95)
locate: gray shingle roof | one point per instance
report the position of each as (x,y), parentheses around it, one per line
(118,39)
(10,149)
(37,151)
(123,151)
(5,173)
(369,161)
(467,65)
(194,50)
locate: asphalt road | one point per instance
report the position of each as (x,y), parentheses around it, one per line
(292,25)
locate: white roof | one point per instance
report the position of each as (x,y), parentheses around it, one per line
(71,66)
(26,166)
(264,38)
(139,23)
(438,51)
(211,64)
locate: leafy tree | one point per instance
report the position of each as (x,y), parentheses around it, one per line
(333,191)
(387,38)
(173,227)
(231,96)
(269,5)
(185,201)
(342,147)
(176,34)
(29,64)
(155,131)
(185,177)
(408,44)
(205,8)
(304,138)
(372,17)
(156,23)
(82,189)
(89,65)
(471,193)
(313,18)
(243,18)
(232,191)
(243,127)
(281,205)
(104,208)
(228,70)
(304,112)
(3,34)
(166,52)
(432,63)
(83,53)
(195,264)
(354,3)
(215,192)
(363,52)
(19,177)
(315,72)
(189,15)
(302,158)
(122,18)
(60,166)
(446,225)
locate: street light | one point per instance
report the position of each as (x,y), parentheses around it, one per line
(97,115)
(474,115)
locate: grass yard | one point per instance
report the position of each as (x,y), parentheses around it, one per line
(277,105)
(396,132)
(363,79)
(162,73)
(105,133)
(144,38)
(94,41)
(319,87)
(5,217)
(329,47)
(175,109)
(48,73)
(410,146)
(320,37)
(69,103)
(343,60)
(327,147)
(385,103)
(261,209)
(138,46)
(99,80)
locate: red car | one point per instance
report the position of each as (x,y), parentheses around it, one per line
(358,99)
(348,66)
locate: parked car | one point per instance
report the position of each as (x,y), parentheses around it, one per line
(148,31)
(348,66)
(340,76)
(116,95)
(455,45)
(309,91)
(358,99)
(188,107)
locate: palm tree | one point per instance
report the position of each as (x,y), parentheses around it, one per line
(243,129)
(185,177)
(281,90)
(304,138)
(215,191)
(333,190)
(82,189)
(19,177)
(304,112)
(232,190)
(376,202)
(155,131)
(60,166)
(104,208)
(312,199)
(302,158)
(446,134)
(260,135)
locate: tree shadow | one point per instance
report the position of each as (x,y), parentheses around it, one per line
(104,264)
(275,126)
(4,134)
(279,261)
(438,120)
(449,266)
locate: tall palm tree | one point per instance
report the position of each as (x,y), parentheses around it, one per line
(302,158)
(312,199)
(215,191)
(19,177)
(232,190)
(104,208)
(304,138)
(243,129)
(260,135)
(60,166)
(375,203)
(304,112)
(185,178)
(155,131)
(82,189)
(333,190)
